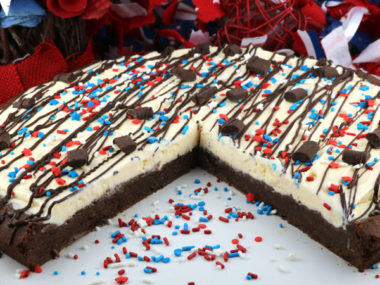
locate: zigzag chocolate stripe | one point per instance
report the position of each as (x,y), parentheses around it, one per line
(91,111)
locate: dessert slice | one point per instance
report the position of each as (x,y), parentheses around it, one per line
(300,134)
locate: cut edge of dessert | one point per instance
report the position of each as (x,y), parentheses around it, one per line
(33,241)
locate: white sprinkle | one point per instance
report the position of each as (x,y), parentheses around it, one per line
(147,281)
(70,255)
(84,247)
(282,269)
(117,265)
(278,246)
(292,256)
(96,282)
(241,254)
(156,250)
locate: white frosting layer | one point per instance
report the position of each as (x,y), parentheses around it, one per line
(202,128)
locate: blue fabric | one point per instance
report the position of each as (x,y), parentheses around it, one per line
(361,40)
(316,44)
(331,25)
(26,13)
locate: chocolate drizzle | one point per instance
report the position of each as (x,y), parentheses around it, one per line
(131,98)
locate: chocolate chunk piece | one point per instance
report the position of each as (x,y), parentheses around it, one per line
(237,94)
(258,65)
(26,103)
(5,140)
(354,157)
(65,77)
(326,71)
(77,158)
(125,143)
(141,113)
(167,51)
(322,62)
(185,75)
(202,48)
(306,152)
(204,95)
(232,127)
(295,95)
(374,138)
(231,50)
(371,78)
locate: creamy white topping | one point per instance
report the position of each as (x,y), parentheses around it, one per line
(195,125)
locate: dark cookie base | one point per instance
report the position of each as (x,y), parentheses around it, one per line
(359,244)
(37,243)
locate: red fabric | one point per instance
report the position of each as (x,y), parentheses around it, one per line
(41,66)
(81,59)
(128,26)
(168,33)
(208,10)
(313,13)
(46,62)
(298,45)
(10,83)
(86,9)
(168,14)
(62,8)
(96,9)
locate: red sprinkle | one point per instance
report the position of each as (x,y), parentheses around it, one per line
(327,206)
(24,274)
(121,272)
(224,219)
(254,276)
(37,269)
(191,256)
(121,280)
(258,239)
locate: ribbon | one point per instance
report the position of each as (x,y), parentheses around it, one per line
(307,42)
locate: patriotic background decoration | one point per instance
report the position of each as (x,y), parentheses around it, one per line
(345,31)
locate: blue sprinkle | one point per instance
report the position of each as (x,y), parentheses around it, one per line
(53,102)
(55,272)
(197,181)
(221,121)
(184,130)
(203,219)
(187,248)
(115,234)
(83,272)
(75,116)
(152,139)
(73,174)
(361,126)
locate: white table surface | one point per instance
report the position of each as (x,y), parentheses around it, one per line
(269,259)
